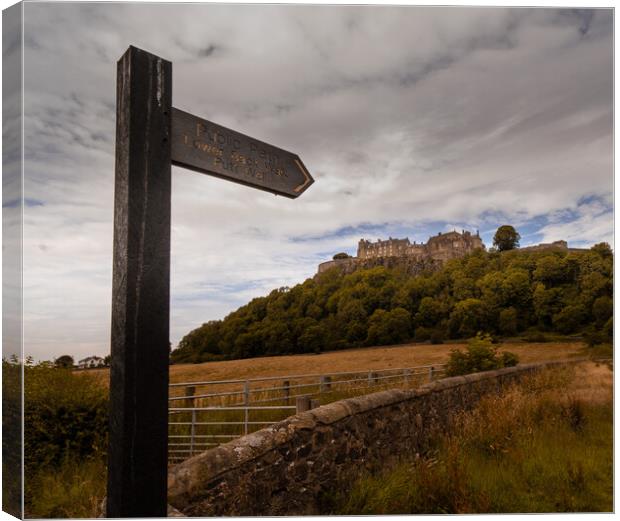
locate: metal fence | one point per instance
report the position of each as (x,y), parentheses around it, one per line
(205,414)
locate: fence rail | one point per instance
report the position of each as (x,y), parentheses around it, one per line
(227,409)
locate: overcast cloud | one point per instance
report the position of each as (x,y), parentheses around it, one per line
(413,120)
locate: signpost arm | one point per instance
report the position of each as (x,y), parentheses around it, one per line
(137,456)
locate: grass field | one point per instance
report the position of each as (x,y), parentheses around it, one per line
(545,445)
(408,355)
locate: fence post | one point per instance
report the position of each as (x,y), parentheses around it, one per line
(302,404)
(190,390)
(372,378)
(325,384)
(314,404)
(192,433)
(287,391)
(430,374)
(407,376)
(246,401)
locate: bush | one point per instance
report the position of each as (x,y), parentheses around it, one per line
(509,359)
(65,419)
(480,355)
(11,437)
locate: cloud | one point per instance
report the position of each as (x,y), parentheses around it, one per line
(411,119)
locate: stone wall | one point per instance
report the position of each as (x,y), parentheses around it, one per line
(285,468)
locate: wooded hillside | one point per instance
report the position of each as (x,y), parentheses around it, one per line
(502,293)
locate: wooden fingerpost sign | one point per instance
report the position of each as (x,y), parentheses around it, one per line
(151,136)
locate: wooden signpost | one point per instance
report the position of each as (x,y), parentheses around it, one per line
(151,136)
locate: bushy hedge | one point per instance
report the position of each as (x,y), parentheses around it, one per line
(11,437)
(64,413)
(65,419)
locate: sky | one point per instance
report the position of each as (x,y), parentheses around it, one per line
(412,121)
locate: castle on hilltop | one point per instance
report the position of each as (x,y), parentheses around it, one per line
(440,247)
(418,256)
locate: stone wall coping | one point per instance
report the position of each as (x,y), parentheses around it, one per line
(191,473)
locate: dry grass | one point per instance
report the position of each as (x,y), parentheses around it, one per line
(409,355)
(543,445)
(593,383)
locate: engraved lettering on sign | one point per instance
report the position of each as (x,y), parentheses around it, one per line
(204,147)
(210,148)
(238,169)
(216,136)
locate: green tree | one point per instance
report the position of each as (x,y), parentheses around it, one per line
(389,327)
(468,317)
(508,321)
(64,361)
(341,255)
(602,310)
(569,318)
(506,238)
(312,340)
(429,313)
(603,249)
(551,269)
(547,302)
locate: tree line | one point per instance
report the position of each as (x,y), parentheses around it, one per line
(503,292)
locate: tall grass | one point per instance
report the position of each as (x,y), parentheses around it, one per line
(543,446)
(71,489)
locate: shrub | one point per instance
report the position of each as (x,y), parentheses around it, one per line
(65,418)
(11,436)
(509,359)
(480,355)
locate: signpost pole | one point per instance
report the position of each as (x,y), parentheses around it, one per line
(137,455)
(151,135)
